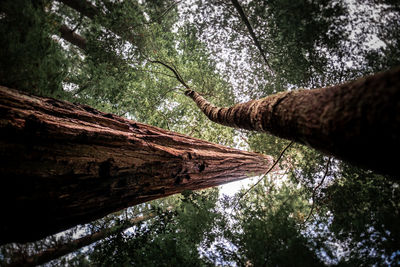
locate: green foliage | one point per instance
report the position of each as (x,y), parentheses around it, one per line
(29,59)
(387,56)
(266,144)
(170,240)
(296,31)
(322,204)
(366,209)
(263,228)
(295,35)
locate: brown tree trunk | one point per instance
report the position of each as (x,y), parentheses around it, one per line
(87,9)
(64,164)
(357,121)
(72,37)
(74,245)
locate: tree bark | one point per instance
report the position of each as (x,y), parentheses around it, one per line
(358,121)
(64,164)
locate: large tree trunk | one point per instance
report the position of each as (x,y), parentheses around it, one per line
(63,164)
(357,121)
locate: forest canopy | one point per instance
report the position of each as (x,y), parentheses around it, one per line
(136,59)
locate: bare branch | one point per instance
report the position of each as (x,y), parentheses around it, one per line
(251,32)
(174,70)
(315,190)
(268,171)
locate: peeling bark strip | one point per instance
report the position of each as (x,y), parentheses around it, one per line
(63,164)
(357,121)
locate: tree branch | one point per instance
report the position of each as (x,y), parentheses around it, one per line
(70,36)
(174,70)
(268,171)
(251,32)
(65,248)
(315,189)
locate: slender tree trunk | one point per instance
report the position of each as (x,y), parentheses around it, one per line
(84,7)
(246,22)
(357,121)
(64,164)
(75,39)
(76,244)
(87,9)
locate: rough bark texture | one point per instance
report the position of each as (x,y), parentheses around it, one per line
(357,121)
(63,164)
(74,245)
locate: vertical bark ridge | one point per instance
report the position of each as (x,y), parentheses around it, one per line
(357,121)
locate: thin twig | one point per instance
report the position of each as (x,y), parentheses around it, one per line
(156,72)
(153,107)
(269,170)
(158,19)
(174,70)
(315,190)
(165,118)
(167,10)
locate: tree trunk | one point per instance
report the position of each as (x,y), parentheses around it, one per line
(64,164)
(70,36)
(74,245)
(87,9)
(84,7)
(357,121)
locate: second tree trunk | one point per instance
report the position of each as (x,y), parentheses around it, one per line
(357,121)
